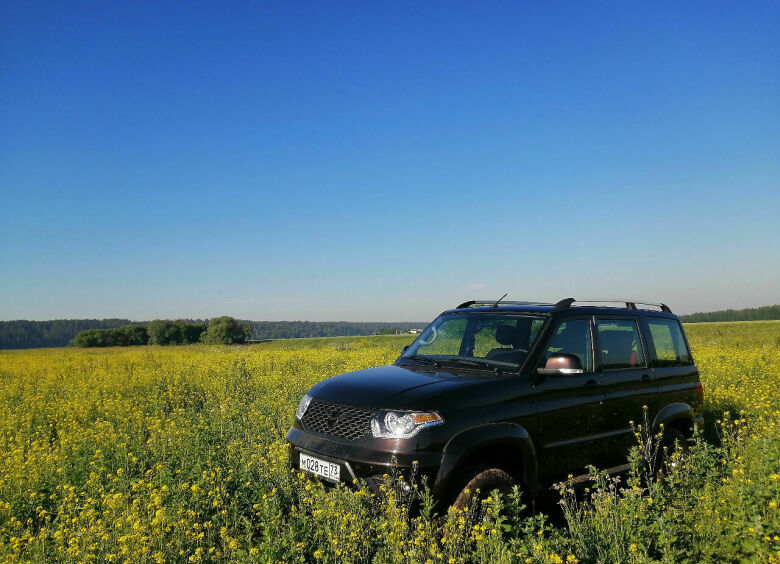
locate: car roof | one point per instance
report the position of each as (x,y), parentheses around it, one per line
(505,308)
(550,309)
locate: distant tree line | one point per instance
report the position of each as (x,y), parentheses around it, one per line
(219,331)
(59,333)
(298,329)
(749,314)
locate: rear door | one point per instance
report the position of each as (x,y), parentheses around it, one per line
(673,369)
(569,408)
(629,388)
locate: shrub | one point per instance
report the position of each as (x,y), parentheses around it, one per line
(131,335)
(225,331)
(95,338)
(191,332)
(164,332)
(128,335)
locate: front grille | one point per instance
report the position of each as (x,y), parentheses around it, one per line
(337,420)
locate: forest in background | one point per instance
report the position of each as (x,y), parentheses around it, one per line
(764,313)
(25,334)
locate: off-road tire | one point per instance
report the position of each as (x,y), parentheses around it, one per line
(671,438)
(481,484)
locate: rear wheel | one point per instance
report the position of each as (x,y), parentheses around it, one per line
(673,437)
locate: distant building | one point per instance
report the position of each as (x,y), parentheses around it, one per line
(414,331)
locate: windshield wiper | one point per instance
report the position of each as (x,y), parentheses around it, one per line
(433,361)
(473,362)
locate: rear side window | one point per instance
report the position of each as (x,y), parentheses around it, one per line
(668,342)
(619,344)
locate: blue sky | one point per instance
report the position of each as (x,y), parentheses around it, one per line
(384,161)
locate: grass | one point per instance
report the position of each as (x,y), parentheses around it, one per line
(177,455)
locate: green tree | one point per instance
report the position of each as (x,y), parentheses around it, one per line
(164,332)
(132,335)
(225,331)
(95,338)
(128,335)
(190,332)
(84,338)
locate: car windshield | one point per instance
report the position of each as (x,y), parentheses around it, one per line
(499,340)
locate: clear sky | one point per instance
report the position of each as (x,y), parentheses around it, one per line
(384,161)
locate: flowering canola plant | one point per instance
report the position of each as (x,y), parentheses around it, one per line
(177,454)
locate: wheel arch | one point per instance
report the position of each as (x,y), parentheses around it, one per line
(506,444)
(678,415)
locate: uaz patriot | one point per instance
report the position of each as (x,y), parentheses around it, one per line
(493,394)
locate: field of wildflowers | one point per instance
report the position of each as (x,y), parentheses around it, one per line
(177,454)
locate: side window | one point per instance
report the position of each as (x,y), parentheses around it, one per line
(573,337)
(668,342)
(619,344)
(533,330)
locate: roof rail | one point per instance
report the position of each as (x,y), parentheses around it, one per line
(493,303)
(630,304)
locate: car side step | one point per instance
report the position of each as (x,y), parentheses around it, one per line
(583,478)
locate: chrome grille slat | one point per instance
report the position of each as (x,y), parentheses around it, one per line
(338,420)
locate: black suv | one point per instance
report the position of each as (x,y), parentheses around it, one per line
(499,393)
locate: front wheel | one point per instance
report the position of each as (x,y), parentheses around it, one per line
(481,484)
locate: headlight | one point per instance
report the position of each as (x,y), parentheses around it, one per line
(304,403)
(402,424)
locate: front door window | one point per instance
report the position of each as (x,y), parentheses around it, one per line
(573,337)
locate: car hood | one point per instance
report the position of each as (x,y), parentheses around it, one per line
(395,387)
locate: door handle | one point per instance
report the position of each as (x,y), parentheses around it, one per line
(591,382)
(645,377)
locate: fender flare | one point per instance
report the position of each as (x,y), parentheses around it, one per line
(674,412)
(465,443)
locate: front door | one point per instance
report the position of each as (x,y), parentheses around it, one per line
(569,407)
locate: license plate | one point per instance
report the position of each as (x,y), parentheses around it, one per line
(320,467)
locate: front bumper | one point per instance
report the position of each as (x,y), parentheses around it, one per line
(364,460)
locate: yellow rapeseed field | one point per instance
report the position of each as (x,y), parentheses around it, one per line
(176,454)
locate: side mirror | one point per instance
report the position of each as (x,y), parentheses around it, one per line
(561,364)
(405,348)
